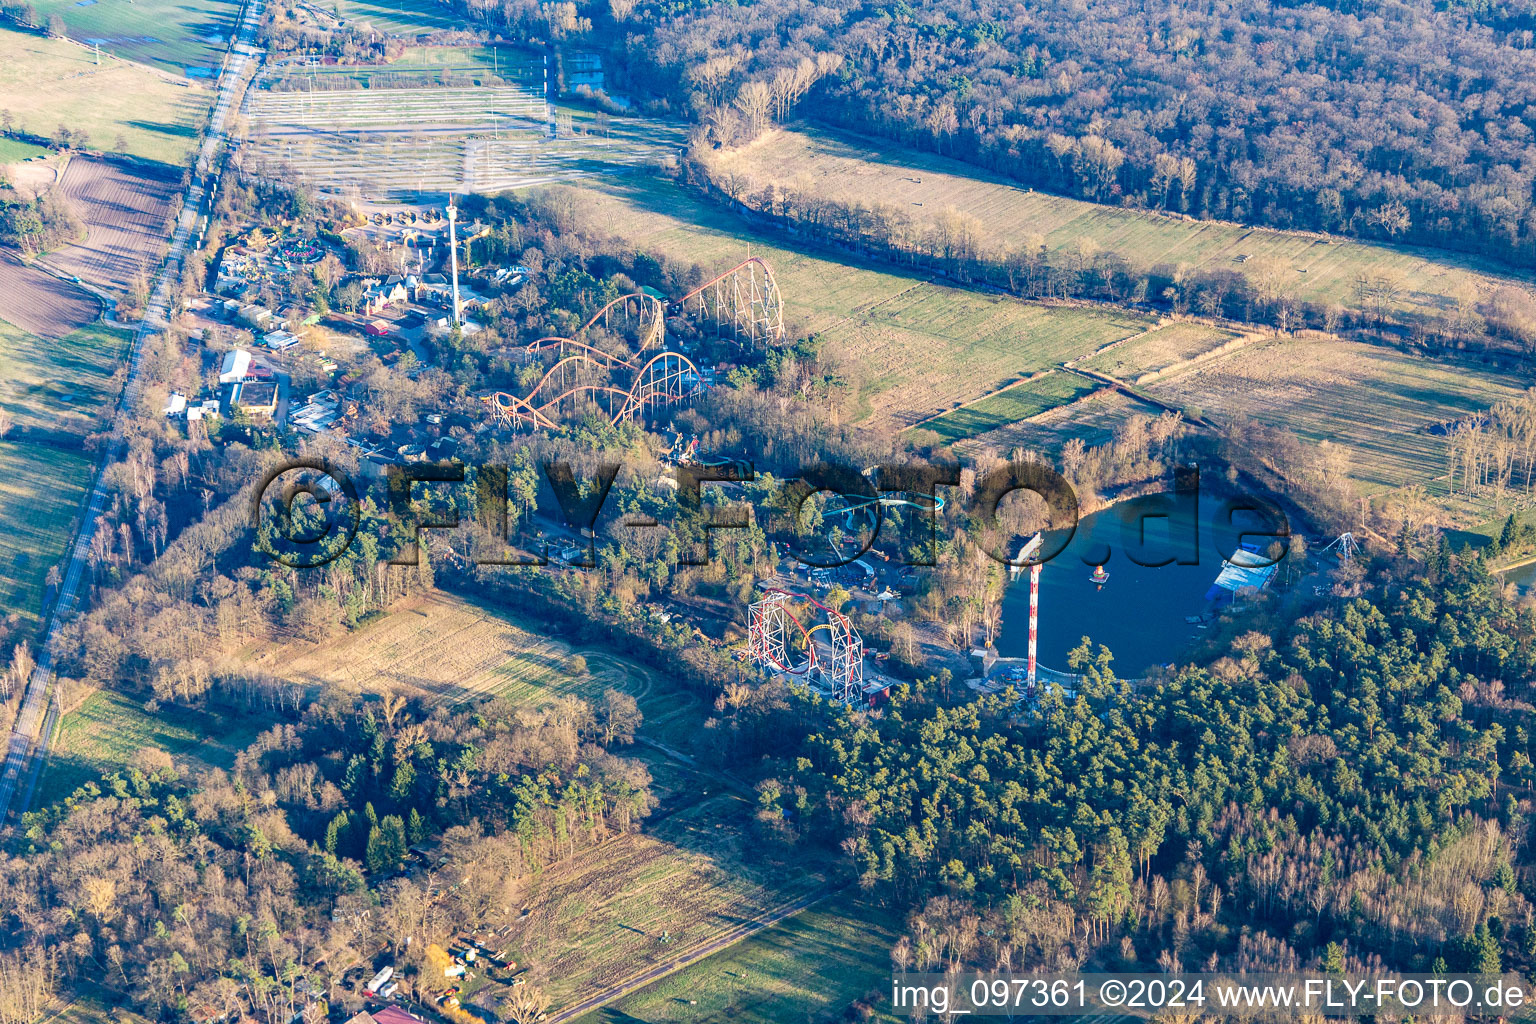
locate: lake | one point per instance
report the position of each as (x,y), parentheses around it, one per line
(1139,613)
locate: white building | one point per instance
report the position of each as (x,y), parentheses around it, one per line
(208,408)
(236,365)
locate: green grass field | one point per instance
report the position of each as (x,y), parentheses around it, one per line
(808,968)
(481,62)
(601,917)
(1016,403)
(60,386)
(62,390)
(907,348)
(502,61)
(107,729)
(13,150)
(41,490)
(933,348)
(859,169)
(818,293)
(48,82)
(1094,420)
(1158,350)
(170,34)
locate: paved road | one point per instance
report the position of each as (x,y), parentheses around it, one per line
(26,738)
(710,948)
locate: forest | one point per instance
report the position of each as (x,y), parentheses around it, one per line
(1367,801)
(252,891)
(1407,121)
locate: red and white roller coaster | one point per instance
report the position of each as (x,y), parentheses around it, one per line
(745,298)
(769,625)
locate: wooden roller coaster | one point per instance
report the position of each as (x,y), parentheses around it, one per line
(664,380)
(744,299)
(645,312)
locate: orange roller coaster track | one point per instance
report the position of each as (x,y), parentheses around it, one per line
(745,298)
(667,378)
(636,307)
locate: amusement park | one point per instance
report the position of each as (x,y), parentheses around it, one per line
(641,373)
(641,359)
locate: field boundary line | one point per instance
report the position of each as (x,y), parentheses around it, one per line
(1226,348)
(1130,389)
(993,394)
(700,952)
(1159,325)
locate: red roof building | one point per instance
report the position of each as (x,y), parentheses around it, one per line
(388,1015)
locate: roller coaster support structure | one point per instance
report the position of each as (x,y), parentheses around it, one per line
(768,626)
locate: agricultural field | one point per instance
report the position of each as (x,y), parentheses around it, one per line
(14,151)
(931,348)
(1158,350)
(446,651)
(38,304)
(393,143)
(1318,389)
(809,967)
(1311,268)
(1012,404)
(62,384)
(125,222)
(45,83)
(908,348)
(600,918)
(55,387)
(1094,419)
(41,490)
(107,729)
(179,36)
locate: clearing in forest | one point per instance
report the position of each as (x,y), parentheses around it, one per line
(108,728)
(640,900)
(809,967)
(445,650)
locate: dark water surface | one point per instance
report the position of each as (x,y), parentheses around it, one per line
(1139,614)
